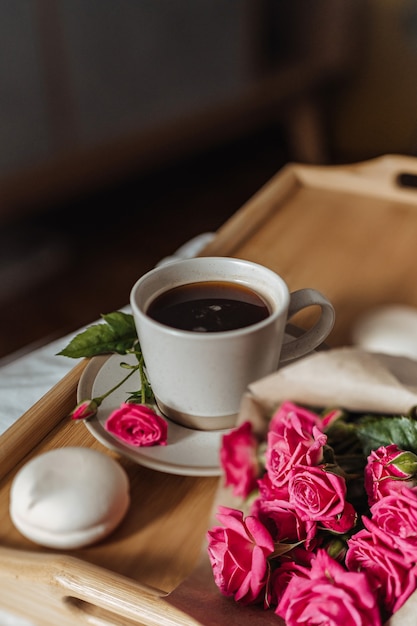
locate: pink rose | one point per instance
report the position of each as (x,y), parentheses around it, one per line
(137,425)
(291,446)
(282,521)
(396,515)
(279,516)
(238,457)
(281,577)
(287,411)
(238,554)
(387,470)
(331,418)
(329,595)
(316,494)
(372,551)
(342,522)
(269,490)
(84,410)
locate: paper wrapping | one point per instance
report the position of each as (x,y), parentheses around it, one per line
(349,378)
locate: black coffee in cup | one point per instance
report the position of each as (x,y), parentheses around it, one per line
(209,306)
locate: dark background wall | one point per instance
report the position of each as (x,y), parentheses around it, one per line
(129,126)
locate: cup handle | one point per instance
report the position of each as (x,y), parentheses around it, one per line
(310,339)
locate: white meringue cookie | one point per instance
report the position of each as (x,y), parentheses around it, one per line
(389,329)
(69,497)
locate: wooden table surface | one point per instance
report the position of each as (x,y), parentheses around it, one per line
(347,231)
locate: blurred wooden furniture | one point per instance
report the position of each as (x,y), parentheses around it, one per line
(346,230)
(96,91)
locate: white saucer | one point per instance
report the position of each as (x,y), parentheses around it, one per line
(188,452)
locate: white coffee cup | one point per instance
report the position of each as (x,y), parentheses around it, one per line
(198,378)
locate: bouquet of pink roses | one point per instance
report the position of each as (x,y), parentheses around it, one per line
(329,532)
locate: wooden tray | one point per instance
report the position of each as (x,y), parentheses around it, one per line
(347,231)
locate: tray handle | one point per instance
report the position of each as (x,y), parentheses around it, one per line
(389,174)
(397,171)
(408,180)
(77,593)
(389,177)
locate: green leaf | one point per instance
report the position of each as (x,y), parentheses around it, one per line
(117,335)
(122,323)
(375,431)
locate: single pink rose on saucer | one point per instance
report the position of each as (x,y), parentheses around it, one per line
(137,425)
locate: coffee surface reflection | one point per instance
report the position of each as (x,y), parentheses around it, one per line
(209,306)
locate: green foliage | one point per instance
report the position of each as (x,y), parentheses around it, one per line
(358,434)
(374,431)
(142,397)
(117,335)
